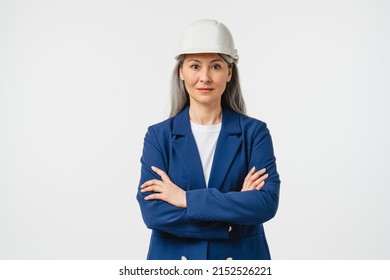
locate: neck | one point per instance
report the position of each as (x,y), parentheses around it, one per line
(205,115)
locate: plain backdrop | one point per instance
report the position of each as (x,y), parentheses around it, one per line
(80,82)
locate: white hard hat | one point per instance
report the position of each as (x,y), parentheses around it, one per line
(207,36)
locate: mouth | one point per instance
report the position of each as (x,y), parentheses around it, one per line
(205,90)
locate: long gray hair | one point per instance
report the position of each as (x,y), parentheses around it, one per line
(232,97)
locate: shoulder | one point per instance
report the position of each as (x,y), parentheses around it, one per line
(247,124)
(179,124)
(165,124)
(161,129)
(255,132)
(254,129)
(248,121)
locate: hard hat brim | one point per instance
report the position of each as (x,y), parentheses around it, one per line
(219,51)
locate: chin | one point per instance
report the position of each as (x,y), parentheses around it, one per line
(208,102)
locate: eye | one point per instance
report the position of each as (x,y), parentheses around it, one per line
(216,66)
(194,66)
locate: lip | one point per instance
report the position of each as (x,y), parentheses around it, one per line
(204,89)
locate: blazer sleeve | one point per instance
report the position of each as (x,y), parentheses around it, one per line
(160,215)
(248,207)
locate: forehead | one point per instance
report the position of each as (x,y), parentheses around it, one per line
(203,57)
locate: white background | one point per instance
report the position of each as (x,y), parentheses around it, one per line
(80,81)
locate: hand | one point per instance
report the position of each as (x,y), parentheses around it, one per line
(165,190)
(254,181)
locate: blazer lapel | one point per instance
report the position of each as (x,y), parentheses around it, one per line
(228,143)
(184,146)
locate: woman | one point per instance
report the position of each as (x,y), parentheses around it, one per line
(208,176)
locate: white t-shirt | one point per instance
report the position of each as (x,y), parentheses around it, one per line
(206,137)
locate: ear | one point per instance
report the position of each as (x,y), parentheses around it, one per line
(181,73)
(230,74)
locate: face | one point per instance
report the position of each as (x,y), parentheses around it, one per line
(205,77)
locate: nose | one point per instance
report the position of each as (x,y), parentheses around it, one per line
(205,76)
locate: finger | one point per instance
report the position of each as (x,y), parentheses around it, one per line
(153,196)
(249,183)
(258,181)
(262,178)
(250,173)
(153,188)
(257,174)
(151,182)
(162,174)
(259,186)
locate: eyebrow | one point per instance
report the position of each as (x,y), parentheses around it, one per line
(197,60)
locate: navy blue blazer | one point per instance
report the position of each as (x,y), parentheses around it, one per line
(220,221)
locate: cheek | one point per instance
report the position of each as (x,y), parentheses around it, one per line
(189,79)
(221,81)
